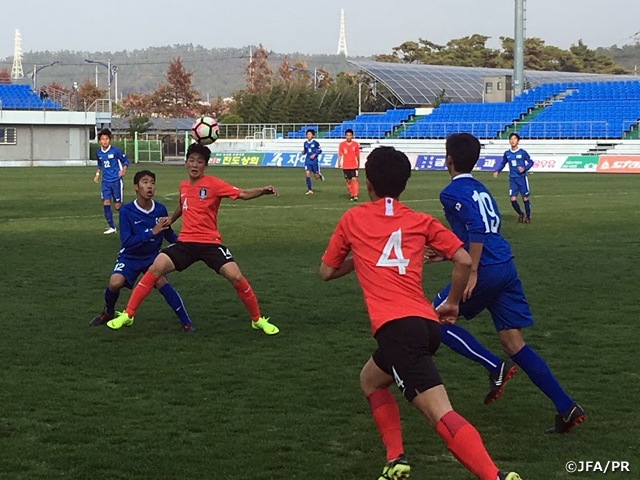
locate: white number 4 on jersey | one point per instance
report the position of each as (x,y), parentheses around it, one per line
(394,245)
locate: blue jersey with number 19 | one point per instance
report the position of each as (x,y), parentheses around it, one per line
(474,217)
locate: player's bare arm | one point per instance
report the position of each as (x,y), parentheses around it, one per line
(475,252)
(176,214)
(258,192)
(329,273)
(123,171)
(448,310)
(96,177)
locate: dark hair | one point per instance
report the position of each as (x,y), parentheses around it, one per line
(313,132)
(201,150)
(514,134)
(388,170)
(104,131)
(348,130)
(464,150)
(143,173)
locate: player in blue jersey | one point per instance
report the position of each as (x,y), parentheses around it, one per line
(311,151)
(144,224)
(493,285)
(519,163)
(113,165)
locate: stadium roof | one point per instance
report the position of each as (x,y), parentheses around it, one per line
(416,85)
(157,124)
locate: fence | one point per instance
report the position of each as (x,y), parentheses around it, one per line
(137,149)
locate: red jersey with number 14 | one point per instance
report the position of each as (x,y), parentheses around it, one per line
(200,203)
(349,152)
(387,240)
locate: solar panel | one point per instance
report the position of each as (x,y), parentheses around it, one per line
(416,85)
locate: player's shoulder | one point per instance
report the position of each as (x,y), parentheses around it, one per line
(160,207)
(128,208)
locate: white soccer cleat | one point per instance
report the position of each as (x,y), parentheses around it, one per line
(109,231)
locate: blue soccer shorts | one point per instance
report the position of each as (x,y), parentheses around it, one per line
(312,167)
(130,268)
(519,185)
(499,291)
(113,190)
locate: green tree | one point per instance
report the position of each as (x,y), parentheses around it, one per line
(139,123)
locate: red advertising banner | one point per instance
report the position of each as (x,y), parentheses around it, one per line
(619,164)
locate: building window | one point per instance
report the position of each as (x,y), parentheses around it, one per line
(489,88)
(8,136)
(499,86)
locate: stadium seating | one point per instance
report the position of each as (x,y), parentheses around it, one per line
(368,125)
(20,97)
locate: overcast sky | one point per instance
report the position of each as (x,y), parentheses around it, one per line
(287,26)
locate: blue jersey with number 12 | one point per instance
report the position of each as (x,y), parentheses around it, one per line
(474,217)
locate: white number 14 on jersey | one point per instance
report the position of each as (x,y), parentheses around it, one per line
(394,245)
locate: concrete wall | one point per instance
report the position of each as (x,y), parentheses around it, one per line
(47,138)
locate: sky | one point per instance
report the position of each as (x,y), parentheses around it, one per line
(289,26)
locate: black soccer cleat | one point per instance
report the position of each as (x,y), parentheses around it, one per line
(101,319)
(564,423)
(188,327)
(498,379)
(520,218)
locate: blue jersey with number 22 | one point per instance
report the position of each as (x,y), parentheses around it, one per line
(474,217)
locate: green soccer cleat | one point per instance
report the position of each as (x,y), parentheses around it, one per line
(508,476)
(120,320)
(263,324)
(398,469)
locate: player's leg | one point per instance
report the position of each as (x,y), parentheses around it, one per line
(307,173)
(409,345)
(174,300)
(510,313)
(375,384)
(162,265)
(347,181)
(219,258)
(111,295)
(355,187)
(118,194)
(106,205)
(524,191)
(513,197)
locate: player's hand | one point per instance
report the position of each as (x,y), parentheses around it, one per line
(495,174)
(431,255)
(163,224)
(121,173)
(447,313)
(471,285)
(520,169)
(312,156)
(270,190)
(96,178)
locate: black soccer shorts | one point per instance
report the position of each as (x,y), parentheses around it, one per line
(405,349)
(350,173)
(185,254)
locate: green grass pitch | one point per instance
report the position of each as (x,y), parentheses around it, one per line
(227,402)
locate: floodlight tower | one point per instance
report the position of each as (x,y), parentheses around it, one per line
(342,42)
(16,69)
(518,47)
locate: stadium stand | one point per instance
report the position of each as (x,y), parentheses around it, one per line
(20,97)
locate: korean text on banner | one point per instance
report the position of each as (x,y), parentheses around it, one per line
(236,159)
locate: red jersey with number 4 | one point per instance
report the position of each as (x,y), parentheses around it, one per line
(200,203)
(387,240)
(349,152)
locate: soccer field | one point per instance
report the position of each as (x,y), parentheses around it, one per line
(227,402)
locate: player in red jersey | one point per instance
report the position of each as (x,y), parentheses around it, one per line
(349,162)
(387,242)
(199,239)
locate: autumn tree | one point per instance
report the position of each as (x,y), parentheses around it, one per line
(258,74)
(136,104)
(285,70)
(176,97)
(5,77)
(89,93)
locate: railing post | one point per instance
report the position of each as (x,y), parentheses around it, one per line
(135,147)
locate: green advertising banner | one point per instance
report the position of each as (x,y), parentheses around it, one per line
(581,162)
(237,159)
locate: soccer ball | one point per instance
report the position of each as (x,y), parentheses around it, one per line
(205,131)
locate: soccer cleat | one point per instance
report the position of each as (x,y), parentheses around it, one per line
(263,324)
(321,177)
(564,423)
(508,476)
(498,379)
(396,469)
(520,218)
(309,192)
(101,319)
(109,231)
(351,199)
(121,320)
(188,327)
(527,220)
(355,199)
